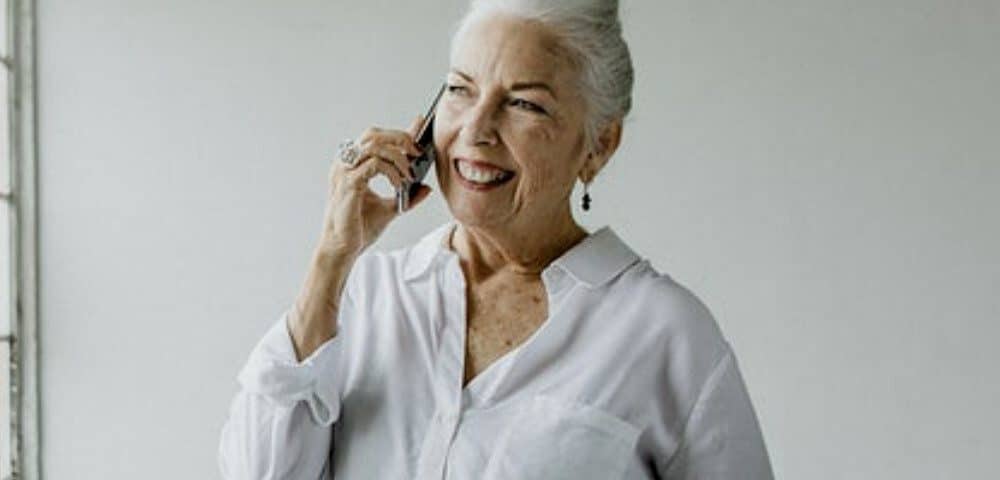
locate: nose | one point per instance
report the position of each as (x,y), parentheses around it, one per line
(479,126)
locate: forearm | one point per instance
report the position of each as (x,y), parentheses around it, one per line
(314,317)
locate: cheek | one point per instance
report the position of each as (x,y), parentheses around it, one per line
(444,129)
(546,162)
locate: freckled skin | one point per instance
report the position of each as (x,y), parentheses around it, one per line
(507,235)
(502,313)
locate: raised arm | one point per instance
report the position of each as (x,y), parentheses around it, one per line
(280,421)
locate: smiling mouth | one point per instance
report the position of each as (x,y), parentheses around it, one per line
(479,176)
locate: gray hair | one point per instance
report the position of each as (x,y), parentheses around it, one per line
(591,32)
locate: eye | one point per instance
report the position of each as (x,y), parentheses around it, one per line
(452,89)
(526,105)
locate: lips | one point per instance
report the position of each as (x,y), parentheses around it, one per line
(478,175)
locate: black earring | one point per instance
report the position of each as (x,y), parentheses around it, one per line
(586,197)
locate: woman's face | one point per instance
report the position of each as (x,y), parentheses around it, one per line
(509,128)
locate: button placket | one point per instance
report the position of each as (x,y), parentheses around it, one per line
(450,366)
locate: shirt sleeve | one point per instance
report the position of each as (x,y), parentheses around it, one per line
(280,421)
(722,438)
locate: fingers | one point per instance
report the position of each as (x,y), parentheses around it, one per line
(386,152)
(375,136)
(394,154)
(372,166)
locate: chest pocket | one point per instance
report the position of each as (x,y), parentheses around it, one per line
(552,439)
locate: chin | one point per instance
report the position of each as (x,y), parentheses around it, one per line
(471,211)
(474,216)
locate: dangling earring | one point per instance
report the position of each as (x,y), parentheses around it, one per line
(586,196)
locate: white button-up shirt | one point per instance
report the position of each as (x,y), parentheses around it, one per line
(628,378)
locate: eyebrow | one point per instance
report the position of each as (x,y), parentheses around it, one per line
(515,86)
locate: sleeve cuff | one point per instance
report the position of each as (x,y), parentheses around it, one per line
(273,372)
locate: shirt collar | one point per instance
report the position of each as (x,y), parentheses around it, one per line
(593,261)
(421,256)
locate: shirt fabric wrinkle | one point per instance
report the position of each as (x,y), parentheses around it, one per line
(570,402)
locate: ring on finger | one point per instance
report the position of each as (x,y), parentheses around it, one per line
(349,152)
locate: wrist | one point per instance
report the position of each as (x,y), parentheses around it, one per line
(334,255)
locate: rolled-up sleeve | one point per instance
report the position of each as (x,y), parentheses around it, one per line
(280,421)
(722,439)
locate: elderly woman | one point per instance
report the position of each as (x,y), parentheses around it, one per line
(509,343)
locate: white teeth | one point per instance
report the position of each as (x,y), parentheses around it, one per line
(478,175)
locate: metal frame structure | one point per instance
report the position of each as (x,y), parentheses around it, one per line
(19,65)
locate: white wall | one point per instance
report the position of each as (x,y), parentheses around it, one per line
(823,174)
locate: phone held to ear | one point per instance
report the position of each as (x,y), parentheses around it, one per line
(422,164)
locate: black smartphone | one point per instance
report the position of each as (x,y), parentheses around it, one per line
(421,165)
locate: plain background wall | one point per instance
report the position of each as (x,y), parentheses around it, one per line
(822,174)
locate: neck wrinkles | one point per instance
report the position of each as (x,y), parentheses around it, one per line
(484,253)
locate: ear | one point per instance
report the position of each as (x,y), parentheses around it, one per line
(607,143)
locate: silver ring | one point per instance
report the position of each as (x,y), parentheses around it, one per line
(349,152)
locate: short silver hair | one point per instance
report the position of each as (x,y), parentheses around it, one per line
(590,31)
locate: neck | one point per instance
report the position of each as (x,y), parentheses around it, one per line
(487,251)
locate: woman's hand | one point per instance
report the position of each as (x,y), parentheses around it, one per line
(355,215)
